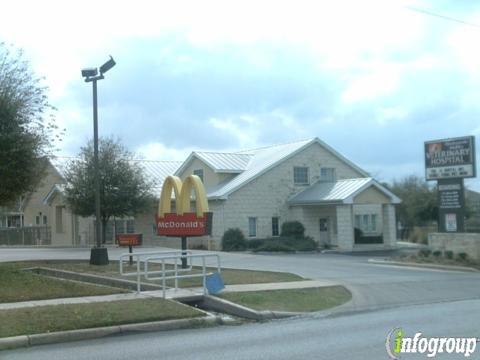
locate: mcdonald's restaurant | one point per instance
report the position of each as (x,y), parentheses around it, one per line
(255,191)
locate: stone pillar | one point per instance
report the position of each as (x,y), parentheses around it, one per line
(389,226)
(345,237)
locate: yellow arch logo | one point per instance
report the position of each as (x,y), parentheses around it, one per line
(183,222)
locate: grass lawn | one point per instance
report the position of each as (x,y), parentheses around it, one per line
(297,300)
(17,285)
(42,319)
(230,276)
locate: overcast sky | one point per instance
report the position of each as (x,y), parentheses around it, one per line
(373,79)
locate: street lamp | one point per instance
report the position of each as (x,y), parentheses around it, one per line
(98,254)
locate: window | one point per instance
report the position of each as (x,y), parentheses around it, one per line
(327,175)
(45,220)
(252,226)
(59,219)
(199,173)
(37,220)
(300,175)
(130,226)
(275,229)
(367,222)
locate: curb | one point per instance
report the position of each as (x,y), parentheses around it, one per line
(427,266)
(85,334)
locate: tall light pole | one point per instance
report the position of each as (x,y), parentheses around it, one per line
(98,254)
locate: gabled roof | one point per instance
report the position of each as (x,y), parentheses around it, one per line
(232,163)
(338,192)
(266,158)
(57,188)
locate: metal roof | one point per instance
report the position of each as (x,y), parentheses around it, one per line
(225,162)
(341,191)
(261,161)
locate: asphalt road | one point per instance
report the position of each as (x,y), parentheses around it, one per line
(354,336)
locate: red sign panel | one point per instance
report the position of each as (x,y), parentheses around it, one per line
(188,224)
(129,239)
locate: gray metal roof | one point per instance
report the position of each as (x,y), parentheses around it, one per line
(225,162)
(341,191)
(261,161)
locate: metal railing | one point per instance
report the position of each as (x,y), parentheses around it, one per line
(176,276)
(161,257)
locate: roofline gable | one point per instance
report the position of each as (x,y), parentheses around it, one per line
(393,198)
(189,159)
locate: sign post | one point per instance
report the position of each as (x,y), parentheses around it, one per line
(449,161)
(183,222)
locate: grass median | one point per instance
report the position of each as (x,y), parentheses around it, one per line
(230,276)
(17,285)
(43,319)
(295,300)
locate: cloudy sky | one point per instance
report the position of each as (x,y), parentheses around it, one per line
(373,79)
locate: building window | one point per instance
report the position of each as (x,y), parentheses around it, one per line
(327,175)
(37,220)
(367,223)
(275,228)
(300,175)
(130,226)
(252,226)
(199,173)
(59,219)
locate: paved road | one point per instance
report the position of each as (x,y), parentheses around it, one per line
(374,286)
(358,336)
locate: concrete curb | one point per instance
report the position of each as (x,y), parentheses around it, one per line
(228,307)
(420,265)
(85,334)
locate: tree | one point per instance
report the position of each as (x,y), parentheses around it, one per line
(419,201)
(26,129)
(124,190)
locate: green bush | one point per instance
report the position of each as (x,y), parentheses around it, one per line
(293,228)
(449,254)
(437,253)
(305,243)
(462,256)
(274,246)
(234,240)
(255,243)
(424,252)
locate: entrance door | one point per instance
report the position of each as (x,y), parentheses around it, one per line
(324,234)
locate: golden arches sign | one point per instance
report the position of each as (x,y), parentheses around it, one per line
(183,222)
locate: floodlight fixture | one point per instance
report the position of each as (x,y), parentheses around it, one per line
(89,72)
(107,66)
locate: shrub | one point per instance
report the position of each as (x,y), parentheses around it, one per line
(234,240)
(462,256)
(449,254)
(255,243)
(293,228)
(305,243)
(274,246)
(437,253)
(424,252)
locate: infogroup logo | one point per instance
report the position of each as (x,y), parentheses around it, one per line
(397,343)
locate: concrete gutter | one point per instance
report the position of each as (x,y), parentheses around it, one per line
(423,265)
(228,307)
(85,334)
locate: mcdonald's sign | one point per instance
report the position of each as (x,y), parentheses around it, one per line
(183,222)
